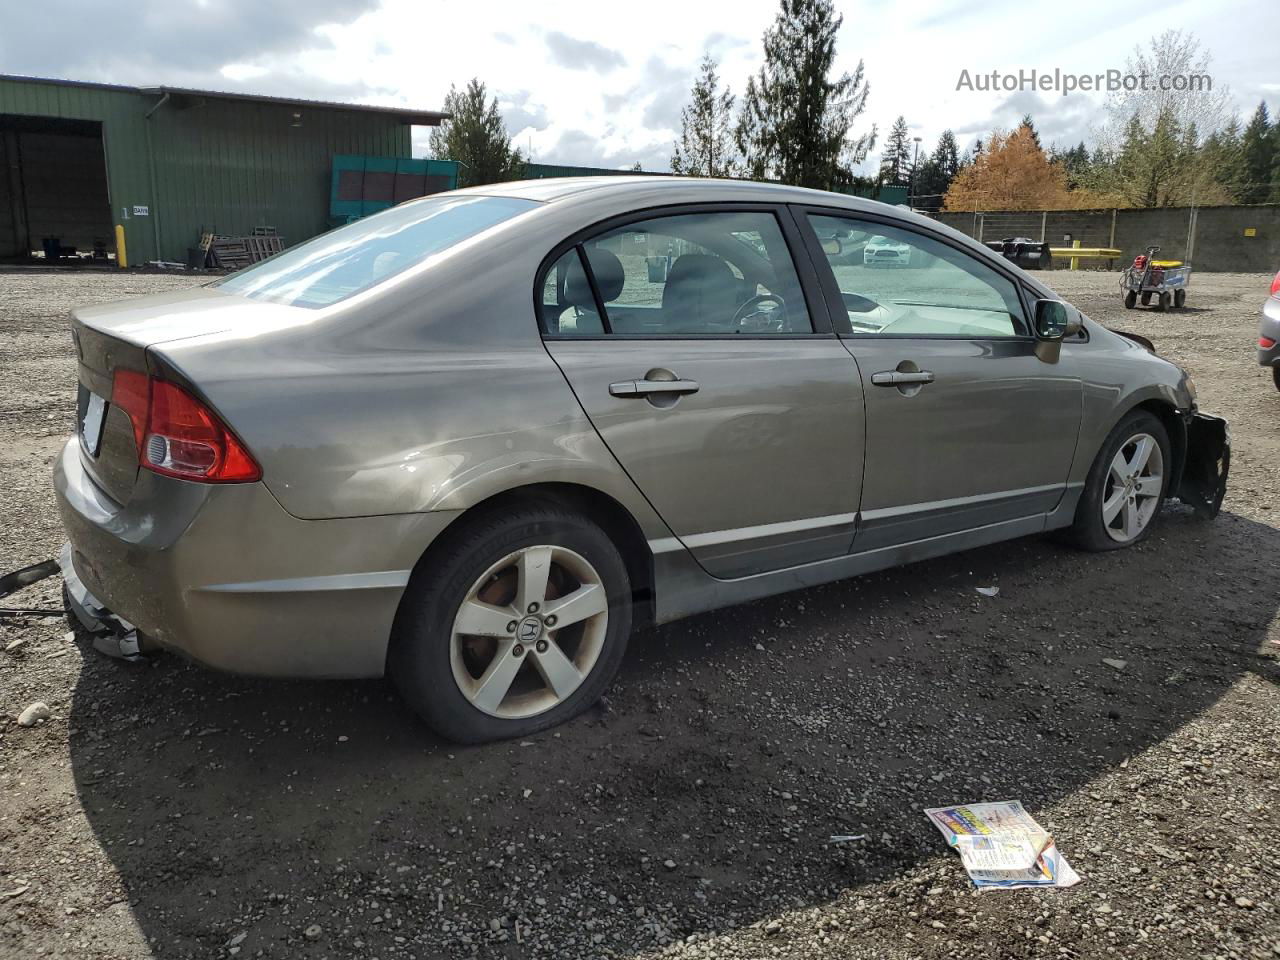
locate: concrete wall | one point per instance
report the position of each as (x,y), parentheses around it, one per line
(1216,234)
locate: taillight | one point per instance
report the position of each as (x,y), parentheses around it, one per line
(177,435)
(1275,286)
(1266,343)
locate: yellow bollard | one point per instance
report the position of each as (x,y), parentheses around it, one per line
(1075,245)
(122,259)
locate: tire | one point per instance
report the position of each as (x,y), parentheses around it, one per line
(1146,299)
(1275,375)
(1090,531)
(440,671)
(1163,303)
(1179,299)
(1130,299)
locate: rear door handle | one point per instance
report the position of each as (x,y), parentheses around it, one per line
(897,378)
(644,388)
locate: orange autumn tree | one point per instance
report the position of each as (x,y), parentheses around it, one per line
(1012,173)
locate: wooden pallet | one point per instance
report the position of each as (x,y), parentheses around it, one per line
(233,253)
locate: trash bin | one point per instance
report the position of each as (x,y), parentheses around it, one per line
(657,267)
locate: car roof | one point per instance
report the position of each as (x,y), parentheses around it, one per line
(681,189)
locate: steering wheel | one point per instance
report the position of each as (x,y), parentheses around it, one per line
(748,310)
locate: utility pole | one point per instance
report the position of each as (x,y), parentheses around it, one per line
(911,186)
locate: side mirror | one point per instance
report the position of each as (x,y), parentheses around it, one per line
(1052,319)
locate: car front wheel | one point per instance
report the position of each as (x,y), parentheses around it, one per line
(518,624)
(1126,485)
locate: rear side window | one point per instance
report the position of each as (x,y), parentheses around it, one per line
(896,282)
(342,262)
(698,274)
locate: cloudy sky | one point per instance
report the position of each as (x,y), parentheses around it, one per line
(603,83)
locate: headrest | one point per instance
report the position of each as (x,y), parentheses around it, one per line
(607,270)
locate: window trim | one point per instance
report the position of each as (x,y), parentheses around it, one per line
(801,260)
(831,287)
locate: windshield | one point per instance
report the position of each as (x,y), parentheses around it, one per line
(345,261)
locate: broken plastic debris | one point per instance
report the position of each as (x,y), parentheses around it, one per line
(988,591)
(847,837)
(1002,846)
(1116,664)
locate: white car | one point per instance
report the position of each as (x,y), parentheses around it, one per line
(883,252)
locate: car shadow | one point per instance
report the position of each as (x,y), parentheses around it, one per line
(323,818)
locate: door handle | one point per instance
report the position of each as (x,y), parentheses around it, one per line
(898,378)
(644,388)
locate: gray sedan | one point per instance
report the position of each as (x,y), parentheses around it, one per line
(473,441)
(1269,332)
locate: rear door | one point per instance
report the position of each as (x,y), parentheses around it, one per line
(966,426)
(716,382)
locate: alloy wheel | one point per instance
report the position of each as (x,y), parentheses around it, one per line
(529,632)
(1135,481)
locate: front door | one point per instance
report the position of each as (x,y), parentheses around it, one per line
(966,426)
(690,345)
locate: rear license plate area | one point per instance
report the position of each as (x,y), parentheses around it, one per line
(91,412)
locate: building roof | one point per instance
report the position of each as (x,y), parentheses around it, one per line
(426,118)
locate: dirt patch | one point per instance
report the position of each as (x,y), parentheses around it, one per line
(168,811)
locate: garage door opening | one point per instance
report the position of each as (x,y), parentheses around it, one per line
(54,205)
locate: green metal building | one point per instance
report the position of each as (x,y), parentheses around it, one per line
(77,159)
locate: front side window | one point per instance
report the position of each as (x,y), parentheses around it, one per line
(342,262)
(896,282)
(698,274)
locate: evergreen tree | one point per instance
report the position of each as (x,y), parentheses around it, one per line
(972,154)
(1074,162)
(1258,154)
(946,155)
(895,161)
(706,146)
(476,138)
(1275,165)
(796,120)
(1028,125)
(1159,168)
(1224,156)
(935,174)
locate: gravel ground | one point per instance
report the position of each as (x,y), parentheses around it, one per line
(167,811)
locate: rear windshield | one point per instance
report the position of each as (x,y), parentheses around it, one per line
(345,261)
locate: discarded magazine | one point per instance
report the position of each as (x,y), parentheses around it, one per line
(1002,846)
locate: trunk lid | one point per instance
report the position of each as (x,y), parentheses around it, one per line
(119,335)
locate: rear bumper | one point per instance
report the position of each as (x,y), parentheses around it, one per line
(1270,327)
(223,574)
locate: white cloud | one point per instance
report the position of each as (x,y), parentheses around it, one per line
(587,83)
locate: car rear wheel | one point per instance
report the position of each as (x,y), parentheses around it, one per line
(517,625)
(1126,485)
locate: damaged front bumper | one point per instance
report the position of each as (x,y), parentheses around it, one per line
(1203,482)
